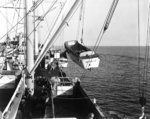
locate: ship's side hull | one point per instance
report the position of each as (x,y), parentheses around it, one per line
(8,85)
(75,104)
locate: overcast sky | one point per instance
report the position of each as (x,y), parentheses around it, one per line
(123,27)
(122,30)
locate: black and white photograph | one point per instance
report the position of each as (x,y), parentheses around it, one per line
(74,59)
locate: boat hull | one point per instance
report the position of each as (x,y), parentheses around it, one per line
(86,63)
(90,63)
(81,55)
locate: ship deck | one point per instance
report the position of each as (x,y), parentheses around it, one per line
(5,96)
(70,107)
(75,106)
(7,88)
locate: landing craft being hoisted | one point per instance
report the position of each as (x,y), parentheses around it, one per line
(49,93)
(79,53)
(82,55)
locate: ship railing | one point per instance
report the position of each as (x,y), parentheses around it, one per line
(68,80)
(11,109)
(62,85)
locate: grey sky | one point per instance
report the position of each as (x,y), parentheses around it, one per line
(122,30)
(123,27)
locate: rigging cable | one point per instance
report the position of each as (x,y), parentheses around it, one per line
(83,12)
(67,18)
(18,12)
(142,99)
(5,17)
(31,9)
(14,12)
(81,22)
(40,21)
(37,3)
(2,6)
(54,22)
(106,23)
(42,17)
(139,50)
(46,20)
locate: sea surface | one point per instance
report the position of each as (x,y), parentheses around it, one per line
(116,83)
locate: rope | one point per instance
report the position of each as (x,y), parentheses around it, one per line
(139,50)
(14,13)
(58,31)
(20,20)
(37,3)
(46,20)
(106,23)
(82,30)
(5,17)
(142,99)
(146,54)
(18,12)
(5,4)
(81,23)
(80,19)
(43,18)
(53,24)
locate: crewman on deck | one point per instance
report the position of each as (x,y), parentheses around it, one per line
(54,72)
(91,116)
(54,81)
(143,114)
(142,101)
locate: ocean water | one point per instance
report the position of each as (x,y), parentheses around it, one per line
(116,83)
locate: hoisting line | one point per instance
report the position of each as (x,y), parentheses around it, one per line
(22,18)
(142,99)
(106,23)
(80,28)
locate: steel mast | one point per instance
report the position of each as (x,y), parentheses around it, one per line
(29,47)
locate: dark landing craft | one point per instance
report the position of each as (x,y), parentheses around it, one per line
(82,55)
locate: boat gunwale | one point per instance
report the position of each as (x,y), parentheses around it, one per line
(69,47)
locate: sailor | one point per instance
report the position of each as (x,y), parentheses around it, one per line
(142,101)
(75,80)
(91,116)
(143,114)
(53,69)
(54,81)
